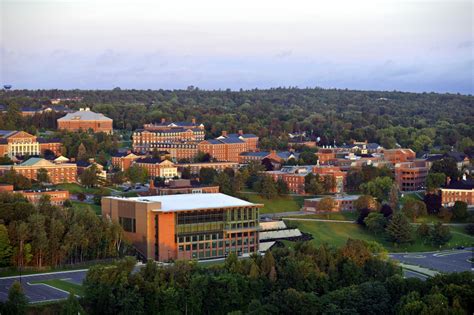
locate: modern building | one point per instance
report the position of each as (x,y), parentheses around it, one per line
(188,226)
(196,167)
(342,203)
(462,190)
(58,173)
(85,120)
(181,186)
(411,176)
(157,167)
(20,143)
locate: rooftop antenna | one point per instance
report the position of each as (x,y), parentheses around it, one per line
(7,87)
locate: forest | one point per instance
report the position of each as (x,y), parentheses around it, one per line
(424,122)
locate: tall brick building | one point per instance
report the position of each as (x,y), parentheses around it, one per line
(85,119)
(20,143)
(399,155)
(411,176)
(229,147)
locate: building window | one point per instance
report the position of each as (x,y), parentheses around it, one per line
(128,224)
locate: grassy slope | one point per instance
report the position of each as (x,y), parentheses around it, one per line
(278,204)
(64,285)
(83,205)
(337,216)
(336,234)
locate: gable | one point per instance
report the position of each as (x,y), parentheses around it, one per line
(21,135)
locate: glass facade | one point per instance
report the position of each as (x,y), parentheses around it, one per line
(217,232)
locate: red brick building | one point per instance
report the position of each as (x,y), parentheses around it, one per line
(157,167)
(58,173)
(458,191)
(334,171)
(85,119)
(182,186)
(229,147)
(395,156)
(411,176)
(218,166)
(123,161)
(342,203)
(20,143)
(293,176)
(57,197)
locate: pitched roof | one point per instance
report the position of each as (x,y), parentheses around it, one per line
(148,160)
(35,161)
(231,140)
(461,184)
(84,115)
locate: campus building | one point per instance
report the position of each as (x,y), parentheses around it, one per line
(157,167)
(188,226)
(462,190)
(334,171)
(395,156)
(181,186)
(342,203)
(293,176)
(58,173)
(176,151)
(411,176)
(57,197)
(20,143)
(85,120)
(123,160)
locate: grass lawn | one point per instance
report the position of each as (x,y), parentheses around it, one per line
(277,204)
(64,285)
(83,205)
(336,234)
(76,188)
(337,216)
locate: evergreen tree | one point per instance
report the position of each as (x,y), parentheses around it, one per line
(399,229)
(82,152)
(72,306)
(17,302)
(440,234)
(5,247)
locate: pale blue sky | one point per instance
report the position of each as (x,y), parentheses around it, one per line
(416,45)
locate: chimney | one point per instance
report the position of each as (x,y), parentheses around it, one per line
(241,132)
(448,180)
(193,121)
(163,120)
(152,183)
(224,133)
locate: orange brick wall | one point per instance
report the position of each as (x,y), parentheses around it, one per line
(95,125)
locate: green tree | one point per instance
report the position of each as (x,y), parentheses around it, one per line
(327,204)
(282,187)
(42,176)
(366,202)
(440,234)
(186,173)
(268,267)
(224,182)
(207,175)
(72,306)
(17,302)
(447,166)
(399,229)
(5,247)
(460,210)
(375,222)
(423,231)
(313,184)
(414,208)
(393,199)
(136,174)
(82,152)
(90,176)
(266,186)
(308,158)
(379,188)
(435,181)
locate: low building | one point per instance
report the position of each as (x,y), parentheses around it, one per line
(342,203)
(196,167)
(182,186)
(411,176)
(189,226)
(462,190)
(85,120)
(123,160)
(176,151)
(334,171)
(461,159)
(293,176)
(20,143)
(157,167)
(84,165)
(58,173)
(57,197)
(277,156)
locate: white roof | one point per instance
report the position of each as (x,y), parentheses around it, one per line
(274,235)
(272,225)
(194,201)
(342,198)
(84,115)
(264,246)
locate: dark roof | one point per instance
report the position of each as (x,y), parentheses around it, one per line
(231,140)
(461,184)
(434,157)
(148,160)
(30,109)
(53,140)
(3,141)
(373,146)
(245,135)
(83,163)
(214,141)
(259,154)
(458,156)
(120,154)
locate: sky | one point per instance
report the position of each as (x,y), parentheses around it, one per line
(418,45)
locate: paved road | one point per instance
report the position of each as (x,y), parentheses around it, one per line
(41,292)
(412,274)
(443,261)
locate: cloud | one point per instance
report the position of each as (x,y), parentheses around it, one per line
(284,54)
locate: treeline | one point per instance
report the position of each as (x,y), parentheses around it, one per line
(419,121)
(301,280)
(47,235)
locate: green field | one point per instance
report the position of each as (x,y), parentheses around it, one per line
(337,216)
(277,204)
(336,234)
(64,285)
(83,205)
(76,189)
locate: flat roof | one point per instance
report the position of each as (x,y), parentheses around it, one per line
(185,202)
(345,198)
